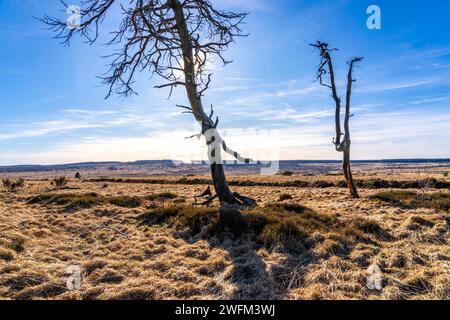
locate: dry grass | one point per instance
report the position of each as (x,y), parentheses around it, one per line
(414,200)
(142,241)
(89,200)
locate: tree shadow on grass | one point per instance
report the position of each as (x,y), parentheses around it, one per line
(255,277)
(288,232)
(258,279)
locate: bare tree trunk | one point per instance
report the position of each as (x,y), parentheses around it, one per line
(220,184)
(347,142)
(348,173)
(207,124)
(341,145)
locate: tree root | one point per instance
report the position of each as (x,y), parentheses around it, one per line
(207,194)
(241,202)
(245,201)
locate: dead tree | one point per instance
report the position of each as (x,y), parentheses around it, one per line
(172,39)
(342,140)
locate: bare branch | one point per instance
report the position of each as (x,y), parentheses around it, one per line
(149,38)
(326,67)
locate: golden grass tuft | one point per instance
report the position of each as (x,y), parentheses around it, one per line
(45,291)
(137,294)
(106,275)
(412,200)
(20,281)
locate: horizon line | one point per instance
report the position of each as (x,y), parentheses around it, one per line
(229,162)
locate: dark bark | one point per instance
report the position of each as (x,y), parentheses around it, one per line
(221,185)
(348,174)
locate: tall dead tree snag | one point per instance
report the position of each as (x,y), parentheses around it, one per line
(342,140)
(174,40)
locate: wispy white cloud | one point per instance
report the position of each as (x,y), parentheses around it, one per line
(287,113)
(90,112)
(383,87)
(427,101)
(45,128)
(80,119)
(263,94)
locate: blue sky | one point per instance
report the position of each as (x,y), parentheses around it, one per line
(53,108)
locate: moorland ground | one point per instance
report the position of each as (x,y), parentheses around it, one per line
(306,240)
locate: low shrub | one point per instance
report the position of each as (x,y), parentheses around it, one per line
(59,183)
(13,185)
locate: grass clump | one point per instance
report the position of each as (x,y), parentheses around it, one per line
(179,216)
(126,202)
(289,207)
(162,196)
(17,244)
(370,227)
(6,254)
(70,200)
(413,200)
(24,280)
(323,184)
(286,233)
(304,214)
(284,197)
(45,291)
(85,201)
(13,185)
